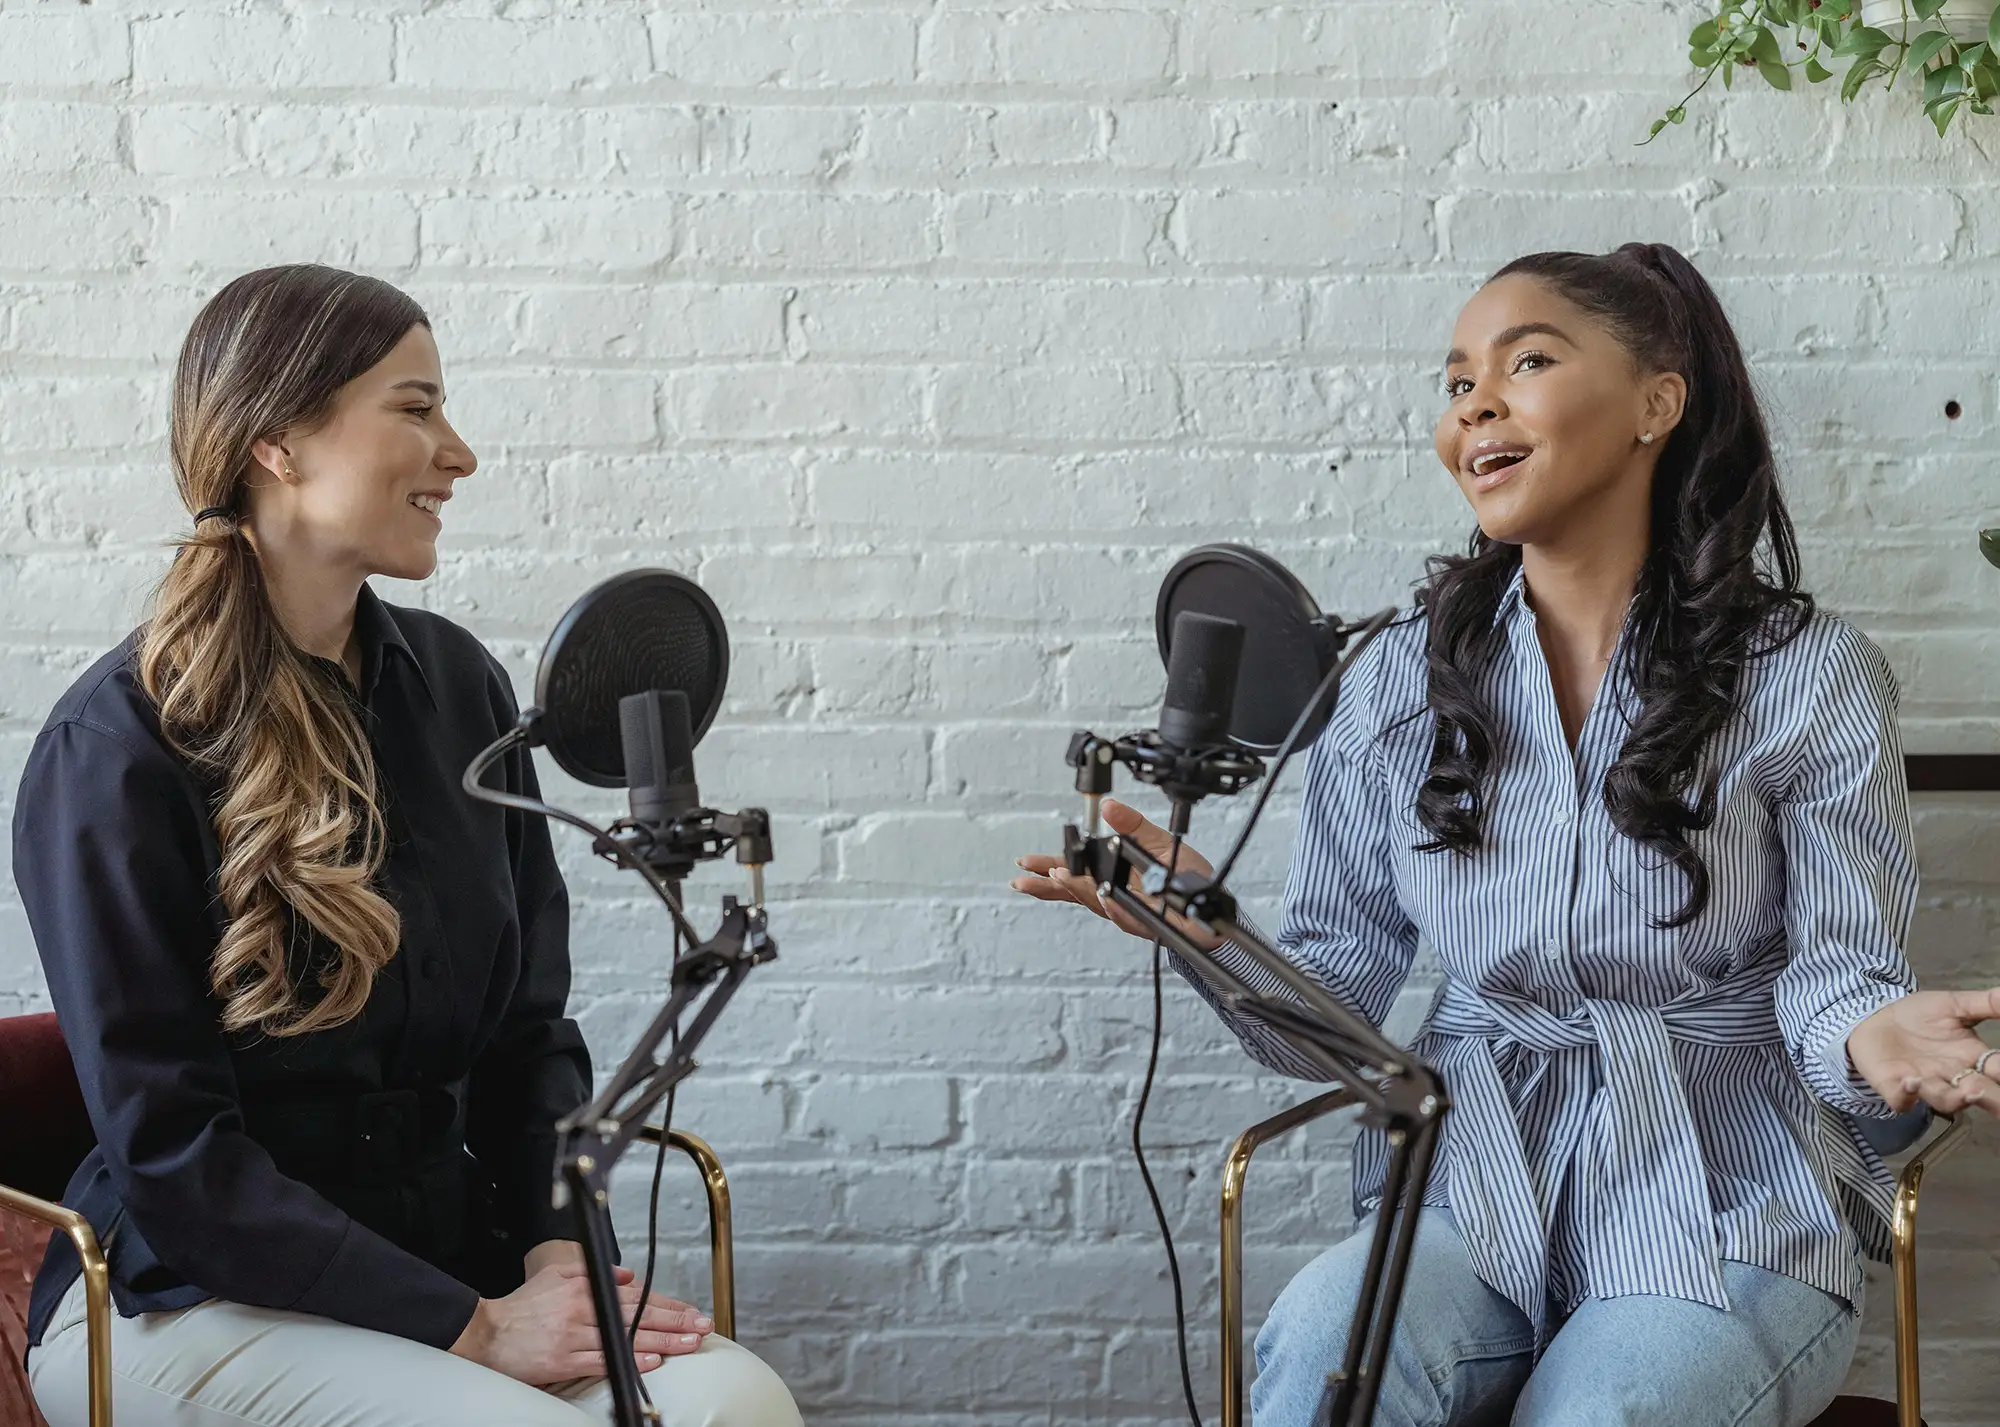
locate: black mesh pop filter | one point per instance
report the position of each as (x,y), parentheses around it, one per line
(1288,645)
(644,629)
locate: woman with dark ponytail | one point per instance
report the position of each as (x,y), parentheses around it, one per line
(1647,804)
(315,994)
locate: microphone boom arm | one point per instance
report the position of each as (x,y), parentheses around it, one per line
(1397,1091)
(591,1139)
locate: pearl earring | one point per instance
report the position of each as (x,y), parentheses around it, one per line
(1646,438)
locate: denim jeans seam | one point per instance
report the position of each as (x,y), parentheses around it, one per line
(1479,1352)
(1796,1358)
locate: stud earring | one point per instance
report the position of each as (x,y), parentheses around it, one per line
(1646,438)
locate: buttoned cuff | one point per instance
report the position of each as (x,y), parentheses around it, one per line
(1839,1083)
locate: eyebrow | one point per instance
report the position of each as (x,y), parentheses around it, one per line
(429,389)
(1511,336)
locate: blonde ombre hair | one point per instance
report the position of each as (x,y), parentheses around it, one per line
(298,817)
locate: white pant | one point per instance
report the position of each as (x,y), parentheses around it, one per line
(219,1364)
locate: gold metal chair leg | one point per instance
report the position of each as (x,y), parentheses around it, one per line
(1235,1171)
(1909,1380)
(721,1226)
(96,1290)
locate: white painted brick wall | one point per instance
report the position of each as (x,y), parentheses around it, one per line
(926,335)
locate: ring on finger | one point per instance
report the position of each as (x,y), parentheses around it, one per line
(1979,1065)
(1963,1074)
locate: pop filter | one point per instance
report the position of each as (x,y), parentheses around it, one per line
(1289,647)
(642,630)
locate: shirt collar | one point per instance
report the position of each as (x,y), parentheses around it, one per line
(381,641)
(1512,598)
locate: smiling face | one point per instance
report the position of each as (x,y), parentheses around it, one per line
(365,487)
(1545,417)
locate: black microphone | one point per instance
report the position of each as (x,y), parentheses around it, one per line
(1206,654)
(657,732)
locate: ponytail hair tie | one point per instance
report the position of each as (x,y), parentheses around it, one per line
(212,512)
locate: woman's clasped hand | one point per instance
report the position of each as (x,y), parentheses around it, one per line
(545,1331)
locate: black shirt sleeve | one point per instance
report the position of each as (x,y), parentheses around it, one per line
(108,854)
(535,1069)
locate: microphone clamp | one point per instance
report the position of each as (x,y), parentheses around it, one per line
(1185,775)
(698,835)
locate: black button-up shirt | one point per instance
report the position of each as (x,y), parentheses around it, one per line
(385,1172)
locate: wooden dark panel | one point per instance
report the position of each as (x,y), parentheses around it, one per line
(1953,772)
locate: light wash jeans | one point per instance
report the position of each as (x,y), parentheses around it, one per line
(1463,1356)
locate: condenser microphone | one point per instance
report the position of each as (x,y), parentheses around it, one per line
(1202,665)
(658,737)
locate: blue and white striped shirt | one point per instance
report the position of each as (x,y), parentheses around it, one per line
(1632,1105)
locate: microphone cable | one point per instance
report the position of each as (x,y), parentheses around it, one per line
(1145,1173)
(609,847)
(653,1203)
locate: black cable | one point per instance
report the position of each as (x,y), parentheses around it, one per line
(653,1204)
(1369,628)
(1152,1191)
(602,839)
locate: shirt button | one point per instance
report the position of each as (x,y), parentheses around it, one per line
(1552,948)
(1564,815)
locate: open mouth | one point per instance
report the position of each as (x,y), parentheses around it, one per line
(429,504)
(1487,464)
(1493,459)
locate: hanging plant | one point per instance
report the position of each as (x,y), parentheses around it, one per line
(1951,48)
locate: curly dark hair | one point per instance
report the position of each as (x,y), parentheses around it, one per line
(1719,586)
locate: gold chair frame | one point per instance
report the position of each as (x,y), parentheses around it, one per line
(96,1289)
(1903,1229)
(97,1274)
(721,1223)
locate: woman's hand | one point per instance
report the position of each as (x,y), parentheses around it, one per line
(1047,879)
(1922,1048)
(546,1330)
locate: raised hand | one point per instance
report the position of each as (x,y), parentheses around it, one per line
(1923,1048)
(1046,879)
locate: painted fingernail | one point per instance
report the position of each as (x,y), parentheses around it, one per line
(1911,1082)
(690,1339)
(705,1324)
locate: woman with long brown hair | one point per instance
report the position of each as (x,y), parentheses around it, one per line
(315,995)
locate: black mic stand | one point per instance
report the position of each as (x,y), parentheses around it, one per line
(590,1140)
(1397,1092)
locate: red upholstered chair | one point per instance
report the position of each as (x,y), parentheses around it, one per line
(47,1135)
(1906,1411)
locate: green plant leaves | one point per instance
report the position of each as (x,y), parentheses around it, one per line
(1925,47)
(1774,37)
(1863,42)
(1859,74)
